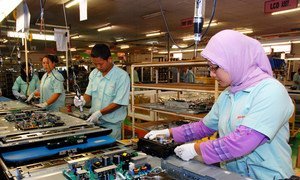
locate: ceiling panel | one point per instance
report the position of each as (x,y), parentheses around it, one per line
(127,21)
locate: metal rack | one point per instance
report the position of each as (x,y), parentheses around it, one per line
(178,87)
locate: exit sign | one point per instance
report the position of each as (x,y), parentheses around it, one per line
(280,5)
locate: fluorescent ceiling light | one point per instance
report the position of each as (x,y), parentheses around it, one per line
(75,37)
(43,37)
(286,11)
(120,40)
(180,45)
(34,36)
(91,45)
(7,7)
(73,49)
(72,3)
(4,40)
(180,51)
(276,43)
(293,59)
(278,48)
(154,34)
(124,46)
(213,23)
(62,57)
(152,15)
(188,38)
(244,30)
(152,42)
(104,28)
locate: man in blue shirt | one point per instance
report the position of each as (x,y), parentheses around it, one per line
(108,91)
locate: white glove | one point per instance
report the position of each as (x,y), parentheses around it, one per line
(22,96)
(152,134)
(30,97)
(94,118)
(79,102)
(186,151)
(42,105)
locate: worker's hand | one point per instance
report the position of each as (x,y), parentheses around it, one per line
(22,97)
(30,97)
(186,151)
(42,105)
(152,134)
(94,118)
(79,101)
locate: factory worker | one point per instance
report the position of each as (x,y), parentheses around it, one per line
(52,92)
(251,115)
(22,89)
(108,91)
(296,80)
(188,75)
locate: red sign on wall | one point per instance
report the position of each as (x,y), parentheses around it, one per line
(186,22)
(280,5)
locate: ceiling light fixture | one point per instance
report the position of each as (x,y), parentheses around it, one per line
(120,40)
(4,40)
(154,34)
(244,30)
(72,3)
(91,45)
(293,59)
(286,11)
(180,51)
(104,28)
(276,43)
(7,7)
(73,49)
(44,37)
(75,37)
(152,15)
(213,23)
(124,46)
(188,38)
(180,45)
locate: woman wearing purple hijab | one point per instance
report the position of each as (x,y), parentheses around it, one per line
(251,115)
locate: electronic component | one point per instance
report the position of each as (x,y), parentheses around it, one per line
(34,120)
(104,168)
(159,147)
(67,142)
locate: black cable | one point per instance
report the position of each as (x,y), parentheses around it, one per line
(211,18)
(167,27)
(56,77)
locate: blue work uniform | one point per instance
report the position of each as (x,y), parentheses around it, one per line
(22,87)
(189,76)
(266,108)
(50,84)
(112,88)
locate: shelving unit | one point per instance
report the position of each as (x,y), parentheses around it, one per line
(178,87)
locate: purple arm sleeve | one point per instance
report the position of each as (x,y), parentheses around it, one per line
(238,143)
(191,131)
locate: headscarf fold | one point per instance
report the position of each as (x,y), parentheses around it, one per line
(241,56)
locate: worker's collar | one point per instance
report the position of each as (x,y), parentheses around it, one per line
(247,90)
(108,75)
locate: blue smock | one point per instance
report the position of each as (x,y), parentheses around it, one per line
(266,108)
(50,84)
(114,87)
(22,87)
